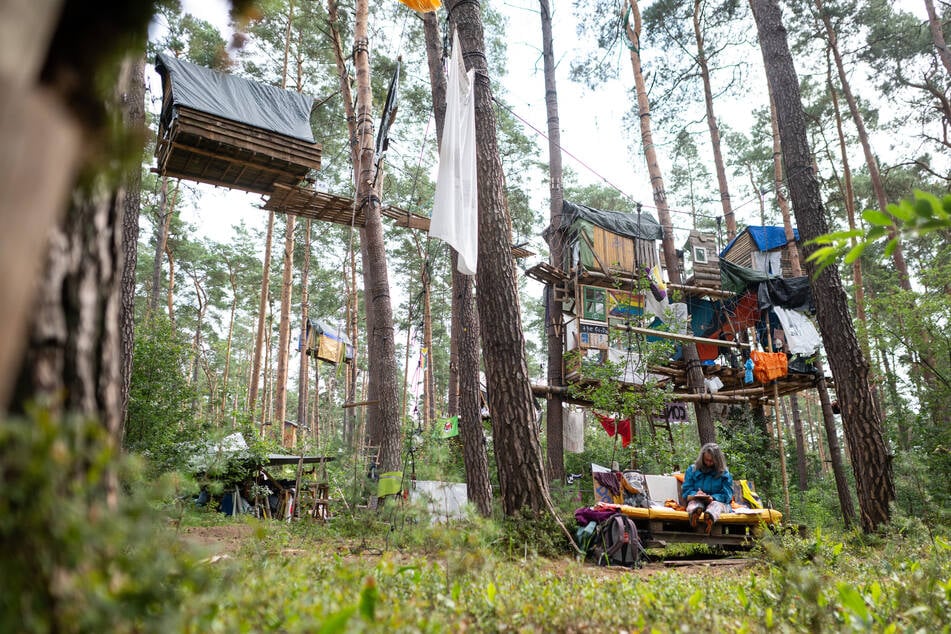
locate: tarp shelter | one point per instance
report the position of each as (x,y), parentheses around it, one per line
(597,238)
(328,343)
(230,131)
(762,249)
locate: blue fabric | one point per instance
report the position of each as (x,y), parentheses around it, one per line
(765,238)
(719,487)
(748,375)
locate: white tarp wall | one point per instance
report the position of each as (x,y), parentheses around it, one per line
(445,500)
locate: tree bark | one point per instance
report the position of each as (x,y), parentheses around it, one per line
(132,76)
(284,336)
(937,34)
(233,280)
(343,79)
(464,388)
(163,221)
(705,426)
(860,415)
(522,477)
(722,183)
(554,325)
(262,319)
(303,379)
(381,339)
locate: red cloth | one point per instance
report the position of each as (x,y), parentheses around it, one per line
(622,428)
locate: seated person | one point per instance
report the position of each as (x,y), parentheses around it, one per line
(708,486)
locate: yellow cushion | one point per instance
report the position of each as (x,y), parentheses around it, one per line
(767,516)
(664,513)
(635,512)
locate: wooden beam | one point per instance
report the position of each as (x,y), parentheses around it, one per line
(679,337)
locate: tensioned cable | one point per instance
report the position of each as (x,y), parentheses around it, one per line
(611,184)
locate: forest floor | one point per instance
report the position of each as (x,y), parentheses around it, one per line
(229,540)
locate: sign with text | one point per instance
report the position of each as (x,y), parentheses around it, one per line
(674,413)
(594,336)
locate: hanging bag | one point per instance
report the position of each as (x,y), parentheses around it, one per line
(769,365)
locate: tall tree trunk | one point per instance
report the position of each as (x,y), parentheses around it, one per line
(877,185)
(35,180)
(722,183)
(284,333)
(465,393)
(522,477)
(343,78)
(262,318)
(163,221)
(381,337)
(848,195)
(132,76)
(288,438)
(860,415)
(705,427)
(232,279)
(554,323)
(170,297)
(303,378)
(937,34)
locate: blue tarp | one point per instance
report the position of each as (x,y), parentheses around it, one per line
(765,238)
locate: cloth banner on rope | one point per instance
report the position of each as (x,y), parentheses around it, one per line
(455,218)
(391,483)
(450,427)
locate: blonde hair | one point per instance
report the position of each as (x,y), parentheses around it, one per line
(719,461)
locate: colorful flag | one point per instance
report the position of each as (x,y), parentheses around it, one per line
(450,427)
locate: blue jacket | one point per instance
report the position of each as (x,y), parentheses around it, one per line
(720,487)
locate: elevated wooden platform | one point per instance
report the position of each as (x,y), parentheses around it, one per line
(208,149)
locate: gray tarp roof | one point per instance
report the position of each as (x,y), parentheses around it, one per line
(238,99)
(623,223)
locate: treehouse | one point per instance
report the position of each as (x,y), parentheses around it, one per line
(610,283)
(231,132)
(764,249)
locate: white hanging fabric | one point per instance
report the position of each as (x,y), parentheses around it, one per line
(573,434)
(801,335)
(455,218)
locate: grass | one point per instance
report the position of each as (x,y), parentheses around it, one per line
(310,578)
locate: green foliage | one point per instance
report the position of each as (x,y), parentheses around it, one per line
(921,215)
(159,416)
(70,562)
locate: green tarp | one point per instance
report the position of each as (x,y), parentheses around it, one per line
(578,222)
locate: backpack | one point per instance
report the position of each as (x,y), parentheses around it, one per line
(616,542)
(634,488)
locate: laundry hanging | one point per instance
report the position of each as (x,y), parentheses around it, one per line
(621,428)
(455,218)
(801,335)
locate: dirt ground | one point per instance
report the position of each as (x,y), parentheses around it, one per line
(226,539)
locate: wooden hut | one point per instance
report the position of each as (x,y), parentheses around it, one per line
(702,264)
(232,132)
(763,249)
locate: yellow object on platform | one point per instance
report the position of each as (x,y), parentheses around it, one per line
(767,516)
(423,6)
(635,512)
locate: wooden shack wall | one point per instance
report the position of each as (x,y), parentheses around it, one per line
(623,254)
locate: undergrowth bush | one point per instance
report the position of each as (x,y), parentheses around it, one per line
(70,562)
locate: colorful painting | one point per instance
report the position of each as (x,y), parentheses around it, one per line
(623,304)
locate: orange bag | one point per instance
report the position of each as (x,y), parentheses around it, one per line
(768,365)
